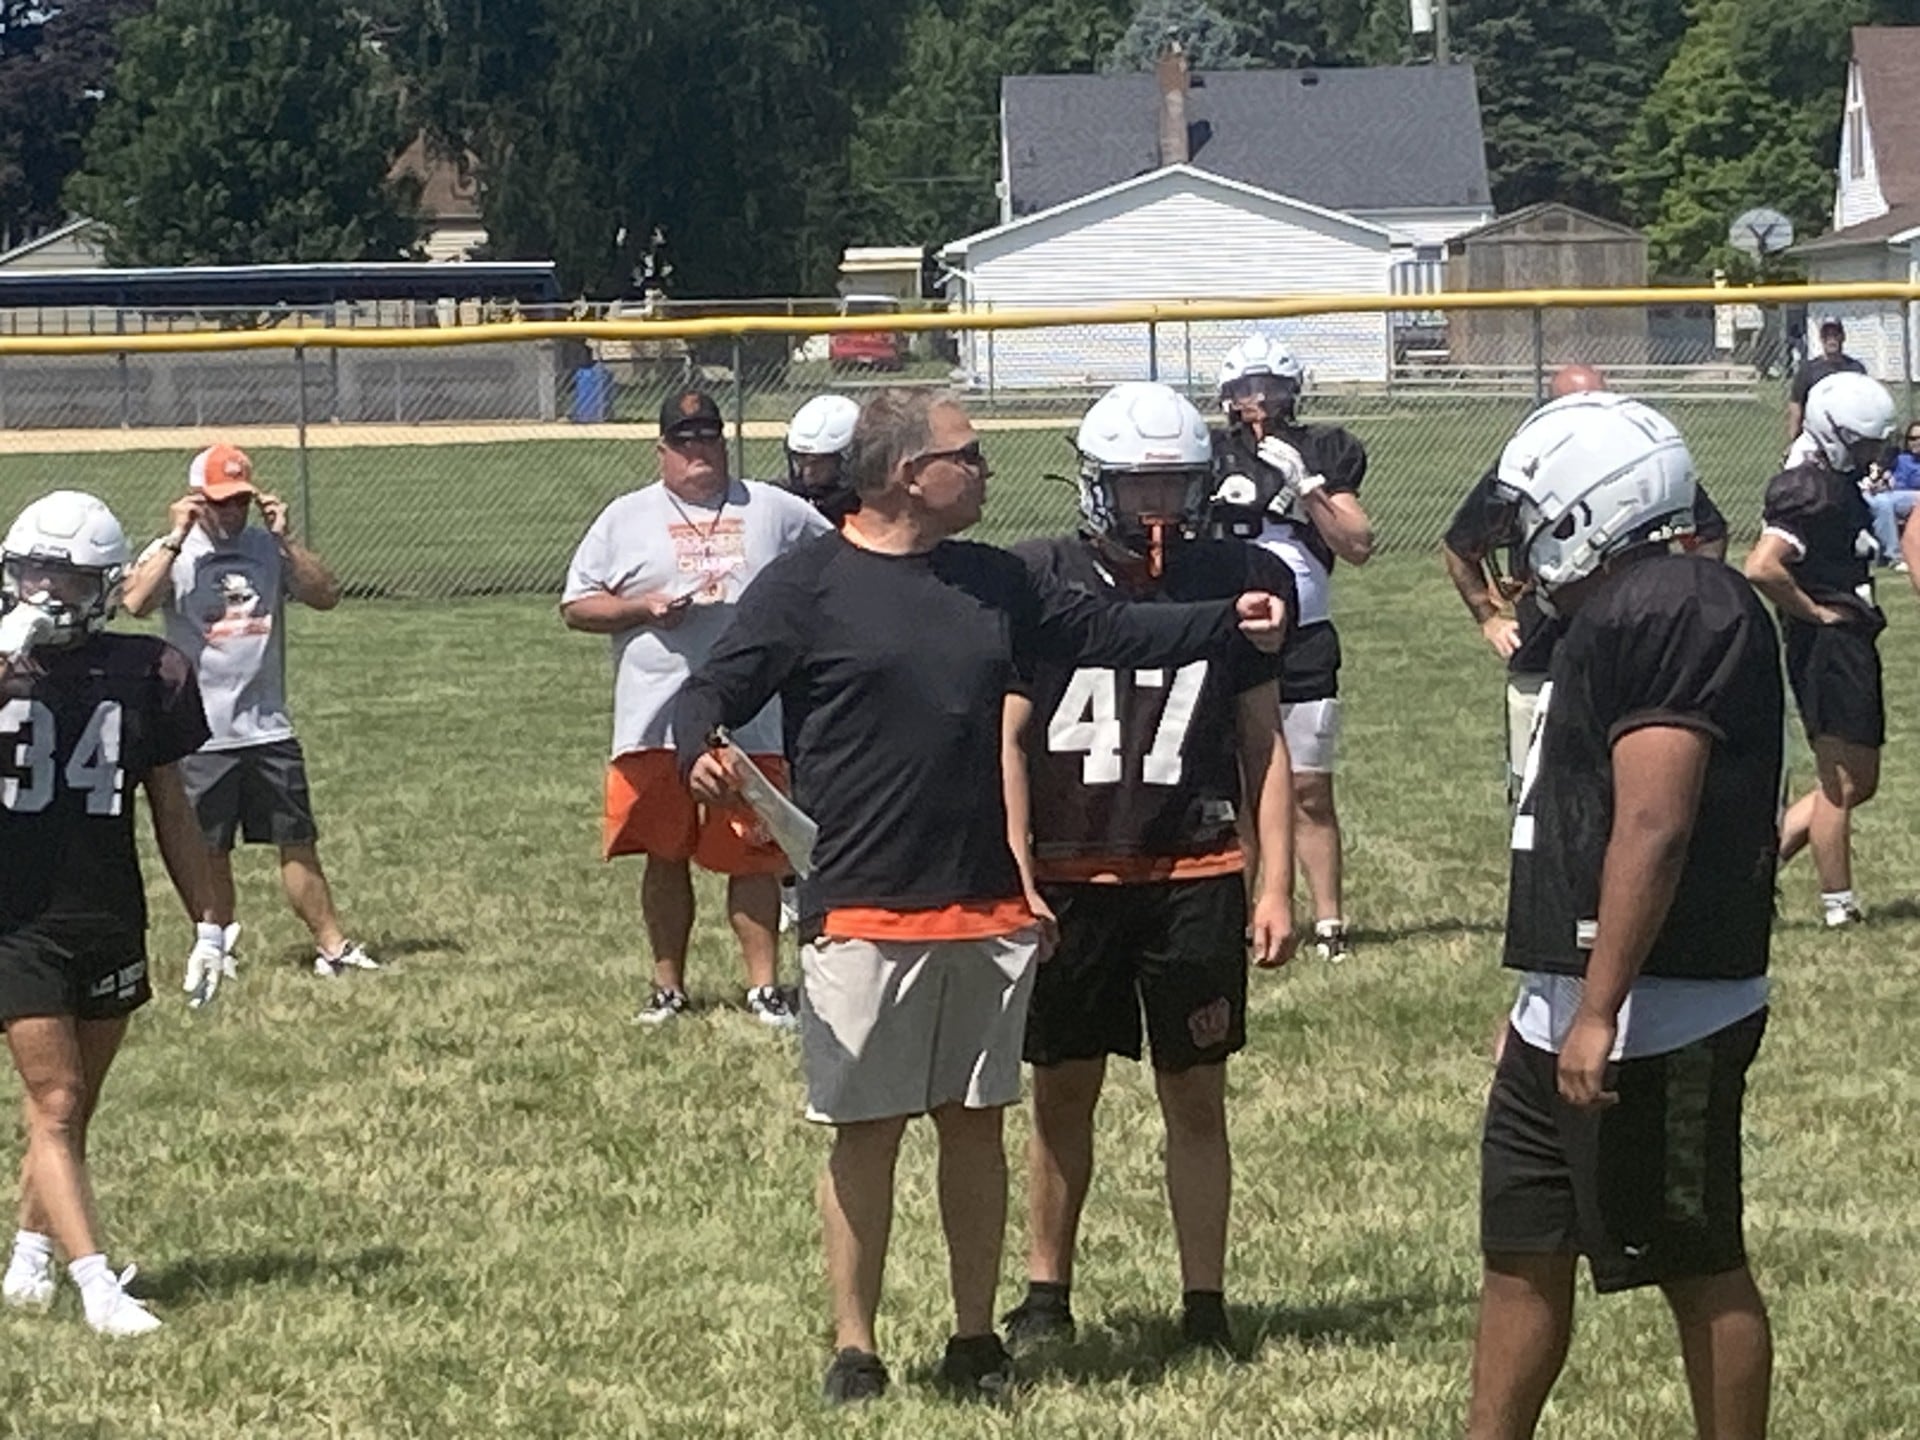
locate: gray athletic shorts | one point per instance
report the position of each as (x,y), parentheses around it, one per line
(257,791)
(893,1028)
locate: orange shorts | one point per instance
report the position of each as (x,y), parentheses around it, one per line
(650,812)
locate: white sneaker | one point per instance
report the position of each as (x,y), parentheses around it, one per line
(29,1283)
(117,1313)
(352,956)
(1839,916)
(1330,941)
(665,1006)
(768,1004)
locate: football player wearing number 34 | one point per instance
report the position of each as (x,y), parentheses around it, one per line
(85,717)
(1143,806)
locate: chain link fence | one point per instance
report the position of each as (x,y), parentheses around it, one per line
(436,471)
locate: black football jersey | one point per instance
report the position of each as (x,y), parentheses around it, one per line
(1483,524)
(1831,527)
(80,728)
(1329,451)
(1144,762)
(1674,640)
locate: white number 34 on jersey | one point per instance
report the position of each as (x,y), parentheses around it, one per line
(93,768)
(1087,719)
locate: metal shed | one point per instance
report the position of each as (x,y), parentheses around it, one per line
(1548,246)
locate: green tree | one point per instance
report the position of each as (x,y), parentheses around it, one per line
(1748,113)
(1560,82)
(246,131)
(926,156)
(54,62)
(1210,41)
(722,125)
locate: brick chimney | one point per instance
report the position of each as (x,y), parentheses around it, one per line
(1171,71)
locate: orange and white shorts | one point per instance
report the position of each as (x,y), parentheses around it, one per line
(649,811)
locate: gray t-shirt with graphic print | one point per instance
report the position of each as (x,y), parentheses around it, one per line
(225,615)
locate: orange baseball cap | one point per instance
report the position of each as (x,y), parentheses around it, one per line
(221,472)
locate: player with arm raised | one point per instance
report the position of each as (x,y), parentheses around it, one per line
(1129,792)
(1814,561)
(1639,915)
(1295,488)
(85,718)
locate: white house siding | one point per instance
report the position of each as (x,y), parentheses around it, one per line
(1172,239)
(1426,227)
(1873,326)
(1856,198)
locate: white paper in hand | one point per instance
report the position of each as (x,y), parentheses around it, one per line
(790,826)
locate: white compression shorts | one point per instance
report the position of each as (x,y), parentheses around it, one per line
(1312,728)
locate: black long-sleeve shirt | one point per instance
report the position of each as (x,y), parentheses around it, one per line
(891,672)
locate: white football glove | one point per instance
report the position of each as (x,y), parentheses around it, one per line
(22,628)
(210,962)
(1296,481)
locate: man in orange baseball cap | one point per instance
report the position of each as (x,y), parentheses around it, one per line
(223,585)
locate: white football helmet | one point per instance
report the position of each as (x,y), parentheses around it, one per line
(1849,416)
(822,426)
(817,438)
(1151,433)
(67,554)
(1260,378)
(1591,475)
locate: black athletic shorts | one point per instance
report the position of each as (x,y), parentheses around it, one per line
(49,969)
(260,791)
(1175,948)
(1835,674)
(1648,1189)
(1310,664)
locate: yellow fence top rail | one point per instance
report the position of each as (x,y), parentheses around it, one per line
(1169,312)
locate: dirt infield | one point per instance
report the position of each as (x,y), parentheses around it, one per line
(349,437)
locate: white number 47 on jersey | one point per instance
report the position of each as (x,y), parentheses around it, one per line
(1087,719)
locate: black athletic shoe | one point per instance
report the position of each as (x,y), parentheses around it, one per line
(977,1367)
(1204,1327)
(854,1375)
(1034,1323)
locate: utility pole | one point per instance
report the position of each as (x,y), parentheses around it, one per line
(1442,51)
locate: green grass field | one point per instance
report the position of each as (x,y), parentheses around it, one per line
(467,1196)
(445,520)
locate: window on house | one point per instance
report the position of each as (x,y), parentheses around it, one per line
(1856,133)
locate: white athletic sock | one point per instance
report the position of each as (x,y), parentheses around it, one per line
(91,1274)
(1838,899)
(31,1247)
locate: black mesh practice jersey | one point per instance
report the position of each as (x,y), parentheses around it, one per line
(1125,762)
(1676,640)
(1830,529)
(80,728)
(1484,523)
(1330,451)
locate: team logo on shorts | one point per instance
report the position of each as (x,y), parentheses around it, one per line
(1210,1025)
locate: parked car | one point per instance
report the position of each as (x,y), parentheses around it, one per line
(867,349)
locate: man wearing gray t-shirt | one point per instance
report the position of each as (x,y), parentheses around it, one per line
(223,586)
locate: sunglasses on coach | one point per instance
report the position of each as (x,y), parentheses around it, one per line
(969,455)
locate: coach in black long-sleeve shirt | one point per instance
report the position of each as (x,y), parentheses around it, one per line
(892,646)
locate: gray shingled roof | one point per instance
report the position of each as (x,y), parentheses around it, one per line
(1364,139)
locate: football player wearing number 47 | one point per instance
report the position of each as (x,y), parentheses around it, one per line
(1640,916)
(85,717)
(1142,806)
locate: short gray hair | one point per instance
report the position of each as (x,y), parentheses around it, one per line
(895,424)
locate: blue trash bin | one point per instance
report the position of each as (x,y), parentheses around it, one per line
(592,394)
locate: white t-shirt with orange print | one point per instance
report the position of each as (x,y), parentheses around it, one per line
(651,540)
